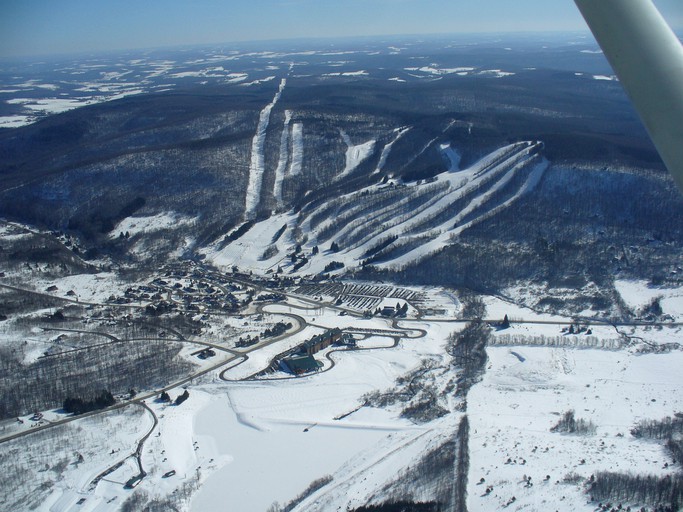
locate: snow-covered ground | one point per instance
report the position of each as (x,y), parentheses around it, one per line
(435,70)
(229,442)
(356,154)
(524,392)
(96,288)
(142,225)
(639,294)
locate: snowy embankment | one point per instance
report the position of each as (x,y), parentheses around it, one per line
(257,163)
(395,224)
(638,295)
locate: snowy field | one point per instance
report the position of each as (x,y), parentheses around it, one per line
(524,392)
(262,426)
(639,294)
(94,288)
(254,443)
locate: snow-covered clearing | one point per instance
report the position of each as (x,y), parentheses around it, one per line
(348,73)
(283,159)
(638,295)
(15,121)
(356,154)
(36,108)
(256,82)
(235,78)
(144,225)
(51,105)
(435,70)
(524,392)
(95,288)
(257,163)
(297,159)
(495,73)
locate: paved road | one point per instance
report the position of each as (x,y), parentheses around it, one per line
(139,400)
(137,453)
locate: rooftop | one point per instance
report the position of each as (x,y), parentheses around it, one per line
(301,364)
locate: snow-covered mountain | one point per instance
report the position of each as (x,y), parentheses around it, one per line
(390,224)
(484,220)
(426,164)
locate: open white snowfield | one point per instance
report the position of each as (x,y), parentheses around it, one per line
(246,444)
(232,440)
(523,394)
(94,288)
(132,226)
(639,294)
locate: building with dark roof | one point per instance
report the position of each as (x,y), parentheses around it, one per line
(300,363)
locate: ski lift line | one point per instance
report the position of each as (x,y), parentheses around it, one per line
(647,57)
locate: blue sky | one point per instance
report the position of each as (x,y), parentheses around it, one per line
(39,27)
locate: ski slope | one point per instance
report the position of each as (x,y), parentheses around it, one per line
(257,162)
(390,225)
(283,160)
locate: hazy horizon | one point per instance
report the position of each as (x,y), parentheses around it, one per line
(43,28)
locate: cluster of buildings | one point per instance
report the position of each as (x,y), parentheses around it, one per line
(300,360)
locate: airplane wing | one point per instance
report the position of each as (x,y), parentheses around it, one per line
(648,59)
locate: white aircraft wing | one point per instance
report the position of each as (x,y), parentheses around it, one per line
(648,59)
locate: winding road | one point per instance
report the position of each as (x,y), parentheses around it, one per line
(237,357)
